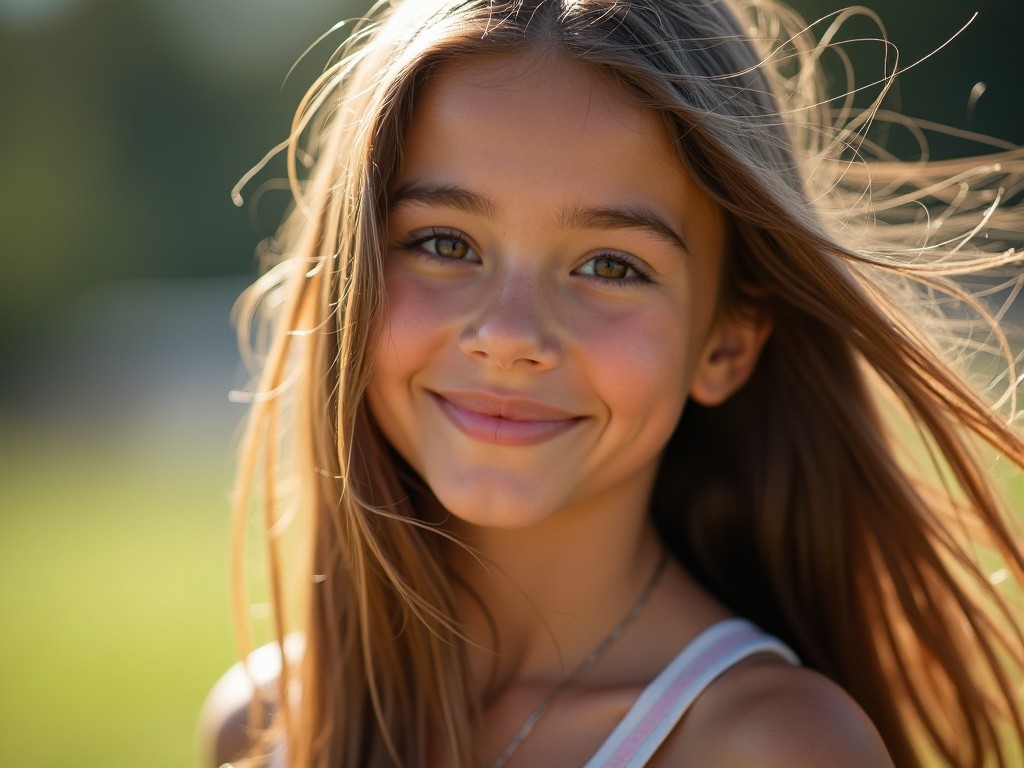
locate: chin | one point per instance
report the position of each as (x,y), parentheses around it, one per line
(497,509)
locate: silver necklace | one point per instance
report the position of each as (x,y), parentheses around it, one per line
(584,666)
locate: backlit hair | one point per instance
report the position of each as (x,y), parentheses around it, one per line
(844,499)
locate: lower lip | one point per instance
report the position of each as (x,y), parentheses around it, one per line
(498,431)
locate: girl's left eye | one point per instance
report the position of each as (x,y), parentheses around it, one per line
(615,269)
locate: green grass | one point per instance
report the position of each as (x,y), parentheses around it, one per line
(113,587)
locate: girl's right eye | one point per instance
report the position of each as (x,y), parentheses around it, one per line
(445,246)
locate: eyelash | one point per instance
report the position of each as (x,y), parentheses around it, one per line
(639,277)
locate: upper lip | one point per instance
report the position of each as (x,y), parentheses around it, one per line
(512,407)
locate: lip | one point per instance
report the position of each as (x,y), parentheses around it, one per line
(500,420)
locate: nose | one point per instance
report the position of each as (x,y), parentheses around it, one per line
(512,326)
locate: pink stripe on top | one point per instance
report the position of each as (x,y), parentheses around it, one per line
(663,703)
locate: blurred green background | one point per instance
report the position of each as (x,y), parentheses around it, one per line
(124,125)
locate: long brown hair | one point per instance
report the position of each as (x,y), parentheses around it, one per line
(843,499)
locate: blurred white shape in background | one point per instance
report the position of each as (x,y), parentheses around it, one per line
(33,13)
(149,363)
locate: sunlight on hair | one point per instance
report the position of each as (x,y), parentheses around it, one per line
(848,494)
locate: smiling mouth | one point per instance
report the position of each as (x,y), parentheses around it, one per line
(504,421)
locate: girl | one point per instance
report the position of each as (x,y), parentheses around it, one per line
(613,395)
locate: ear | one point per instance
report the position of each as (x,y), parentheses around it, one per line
(730,355)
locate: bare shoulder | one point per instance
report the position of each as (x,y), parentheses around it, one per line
(224,732)
(765,713)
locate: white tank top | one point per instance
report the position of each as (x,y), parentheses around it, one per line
(663,703)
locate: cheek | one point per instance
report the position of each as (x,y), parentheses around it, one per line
(414,315)
(641,362)
(402,338)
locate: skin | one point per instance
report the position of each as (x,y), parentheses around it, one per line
(552,277)
(521,314)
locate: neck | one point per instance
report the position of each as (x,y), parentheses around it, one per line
(552,591)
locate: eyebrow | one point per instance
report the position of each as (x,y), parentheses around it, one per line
(600,217)
(627,217)
(446,195)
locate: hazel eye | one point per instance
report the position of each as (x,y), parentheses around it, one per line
(446,247)
(612,268)
(609,268)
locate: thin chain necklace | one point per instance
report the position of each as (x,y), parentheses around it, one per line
(584,666)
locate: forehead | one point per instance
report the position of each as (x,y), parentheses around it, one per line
(563,95)
(541,132)
(496,107)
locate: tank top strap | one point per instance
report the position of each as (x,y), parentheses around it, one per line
(663,703)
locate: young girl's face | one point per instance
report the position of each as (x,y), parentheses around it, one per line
(551,279)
